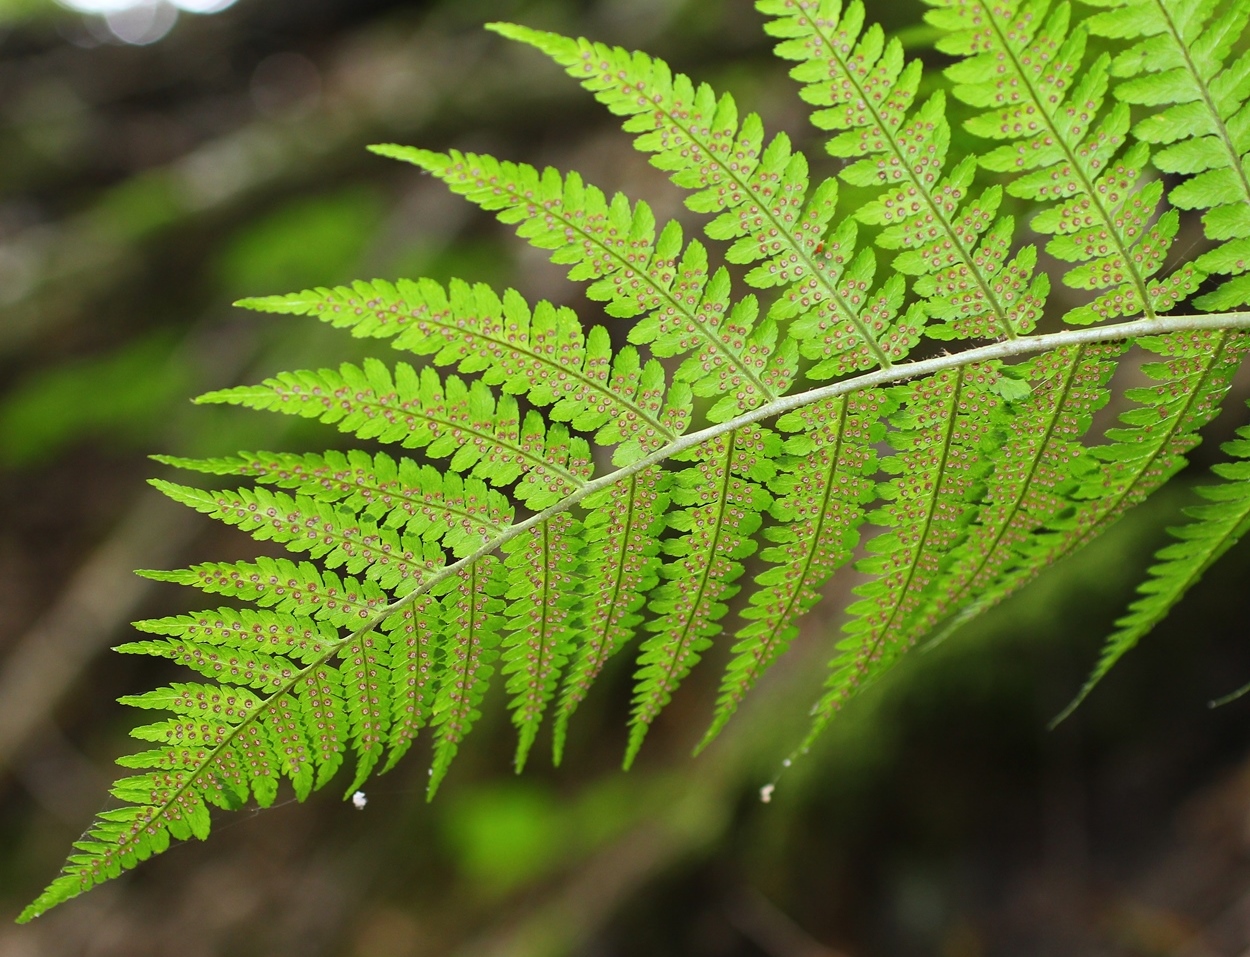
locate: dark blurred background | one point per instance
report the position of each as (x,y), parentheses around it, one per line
(160,159)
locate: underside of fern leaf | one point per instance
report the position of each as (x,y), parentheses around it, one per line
(823,384)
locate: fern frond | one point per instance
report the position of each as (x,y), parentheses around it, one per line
(721,499)
(462,513)
(953,244)
(1215,529)
(423,580)
(448,419)
(541,353)
(1023,63)
(303,639)
(1178,64)
(762,198)
(614,245)
(820,495)
(622,534)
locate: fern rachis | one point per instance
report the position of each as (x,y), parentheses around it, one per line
(502,541)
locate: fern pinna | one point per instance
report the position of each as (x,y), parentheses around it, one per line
(883,383)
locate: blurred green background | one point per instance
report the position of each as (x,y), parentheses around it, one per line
(159,161)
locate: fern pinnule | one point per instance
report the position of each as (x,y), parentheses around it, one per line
(336,536)
(1179,63)
(762,201)
(471,610)
(953,245)
(461,512)
(287,587)
(623,543)
(303,639)
(540,353)
(545,616)
(365,670)
(415,635)
(721,499)
(464,422)
(1214,528)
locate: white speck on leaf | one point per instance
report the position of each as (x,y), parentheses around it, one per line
(766,792)
(359,800)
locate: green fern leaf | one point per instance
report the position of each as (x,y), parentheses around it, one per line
(540,353)
(1030,487)
(451,419)
(286,587)
(721,501)
(471,612)
(949,424)
(622,535)
(820,498)
(414,635)
(1192,382)
(366,692)
(637,273)
(324,711)
(462,513)
(544,609)
(334,535)
(1215,529)
(762,198)
(267,632)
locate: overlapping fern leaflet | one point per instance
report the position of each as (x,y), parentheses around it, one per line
(540,353)
(1022,59)
(953,245)
(1215,528)
(820,493)
(1029,489)
(762,200)
(490,535)
(1025,66)
(622,533)
(1180,63)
